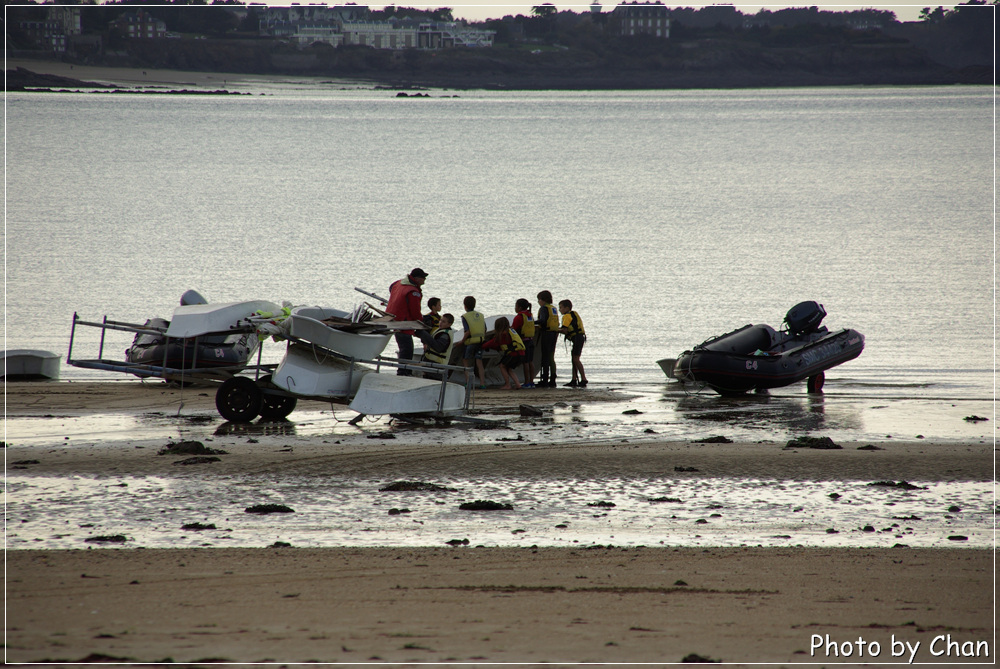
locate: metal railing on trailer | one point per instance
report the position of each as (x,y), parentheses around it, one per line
(212,374)
(282,402)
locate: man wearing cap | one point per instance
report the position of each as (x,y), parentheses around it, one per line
(404,305)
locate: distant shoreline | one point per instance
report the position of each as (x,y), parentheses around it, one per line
(49,74)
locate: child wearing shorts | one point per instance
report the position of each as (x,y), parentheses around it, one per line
(572,327)
(474,324)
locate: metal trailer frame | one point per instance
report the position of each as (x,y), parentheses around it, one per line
(229,376)
(181,374)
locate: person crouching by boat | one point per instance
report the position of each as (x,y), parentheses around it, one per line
(546,336)
(524,325)
(572,327)
(404,305)
(437,344)
(474,324)
(433,316)
(512,351)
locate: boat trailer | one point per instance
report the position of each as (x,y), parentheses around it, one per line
(309,370)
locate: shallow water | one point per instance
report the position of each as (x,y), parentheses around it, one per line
(48,512)
(667,217)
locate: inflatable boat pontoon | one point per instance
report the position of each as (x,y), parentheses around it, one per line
(757,357)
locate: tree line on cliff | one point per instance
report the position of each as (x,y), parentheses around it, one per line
(718,43)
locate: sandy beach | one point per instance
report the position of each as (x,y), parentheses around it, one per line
(470,603)
(127,77)
(497,605)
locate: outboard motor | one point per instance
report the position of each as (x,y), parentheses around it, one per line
(805,317)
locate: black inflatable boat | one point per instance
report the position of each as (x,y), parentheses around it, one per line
(757,357)
(206,352)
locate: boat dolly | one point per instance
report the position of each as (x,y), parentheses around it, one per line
(324,370)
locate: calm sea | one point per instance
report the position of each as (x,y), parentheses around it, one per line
(666,217)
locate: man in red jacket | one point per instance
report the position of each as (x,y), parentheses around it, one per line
(404,305)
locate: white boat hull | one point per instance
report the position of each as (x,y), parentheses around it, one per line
(30,364)
(198,319)
(307,324)
(387,394)
(305,372)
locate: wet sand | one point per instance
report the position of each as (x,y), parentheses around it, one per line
(476,604)
(261,448)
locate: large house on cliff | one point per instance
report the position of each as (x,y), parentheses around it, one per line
(60,25)
(140,25)
(352,25)
(646,18)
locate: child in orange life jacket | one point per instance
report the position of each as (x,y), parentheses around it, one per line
(524,325)
(572,327)
(512,348)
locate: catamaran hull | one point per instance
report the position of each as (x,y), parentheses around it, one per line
(388,394)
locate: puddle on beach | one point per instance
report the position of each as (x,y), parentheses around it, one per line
(58,512)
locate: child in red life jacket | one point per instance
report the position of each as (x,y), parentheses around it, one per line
(512,349)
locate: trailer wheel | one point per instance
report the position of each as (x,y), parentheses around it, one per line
(239,400)
(276,407)
(815,383)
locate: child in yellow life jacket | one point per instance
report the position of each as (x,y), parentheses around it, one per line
(474,327)
(512,348)
(524,325)
(437,344)
(547,335)
(572,327)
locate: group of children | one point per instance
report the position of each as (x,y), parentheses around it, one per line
(516,341)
